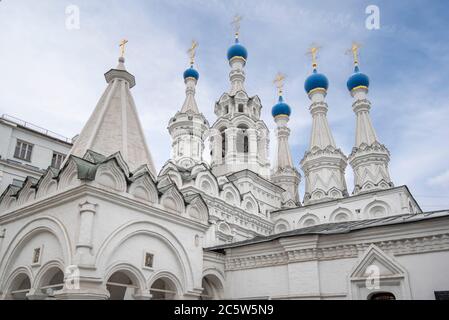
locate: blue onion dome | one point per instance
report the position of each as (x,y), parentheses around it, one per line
(316,81)
(281,108)
(191,73)
(357,80)
(237,50)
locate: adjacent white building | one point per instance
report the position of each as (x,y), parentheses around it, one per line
(107,225)
(27,150)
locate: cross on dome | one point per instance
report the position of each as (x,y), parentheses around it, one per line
(236,23)
(122,47)
(279,82)
(313,51)
(192,52)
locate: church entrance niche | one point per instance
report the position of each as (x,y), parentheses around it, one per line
(121,287)
(52,280)
(163,289)
(382,296)
(21,285)
(212,288)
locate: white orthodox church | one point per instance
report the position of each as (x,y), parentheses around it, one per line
(107,225)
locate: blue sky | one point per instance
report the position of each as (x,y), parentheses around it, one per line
(53,76)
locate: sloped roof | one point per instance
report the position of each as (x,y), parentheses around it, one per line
(338,228)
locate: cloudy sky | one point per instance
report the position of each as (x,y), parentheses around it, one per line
(52,75)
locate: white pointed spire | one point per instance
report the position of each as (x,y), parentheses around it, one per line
(114,125)
(188,127)
(369,158)
(284,174)
(323,164)
(189,105)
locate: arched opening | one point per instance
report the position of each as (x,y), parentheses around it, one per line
(243,142)
(53,280)
(121,287)
(20,286)
(163,289)
(240,108)
(212,288)
(223,143)
(382,296)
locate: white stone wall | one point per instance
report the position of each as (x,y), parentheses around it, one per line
(119,234)
(412,262)
(365,206)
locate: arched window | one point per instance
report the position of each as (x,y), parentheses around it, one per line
(382,296)
(241,108)
(226,109)
(245,144)
(223,143)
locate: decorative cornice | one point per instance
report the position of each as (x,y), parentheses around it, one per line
(405,246)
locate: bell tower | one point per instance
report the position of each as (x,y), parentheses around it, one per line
(188,127)
(239,138)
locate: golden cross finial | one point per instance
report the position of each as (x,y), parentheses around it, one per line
(279,81)
(192,52)
(122,47)
(313,51)
(355,52)
(236,23)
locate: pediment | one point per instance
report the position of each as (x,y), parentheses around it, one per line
(374,256)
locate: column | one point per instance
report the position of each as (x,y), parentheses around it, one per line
(83,255)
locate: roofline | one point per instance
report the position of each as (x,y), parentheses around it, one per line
(10,119)
(257,175)
(290,234)
(352,197)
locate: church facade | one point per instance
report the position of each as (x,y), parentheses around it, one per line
(107,225)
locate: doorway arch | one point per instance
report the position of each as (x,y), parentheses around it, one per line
(163,288)
(19,288)
(212,288)
(381,296)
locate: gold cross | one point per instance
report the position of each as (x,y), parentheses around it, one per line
(355,52)
(236,23)
(279,81)
(313,51)
(192,52)
(122,47)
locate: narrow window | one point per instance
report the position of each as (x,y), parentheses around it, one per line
(57,160)
(23,150)
(148,260)
(241,108)
(223,144)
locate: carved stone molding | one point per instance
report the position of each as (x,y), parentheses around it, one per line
(397,247)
